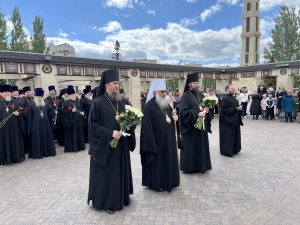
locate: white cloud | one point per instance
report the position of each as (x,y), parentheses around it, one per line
(74,33)
(210,11)
(266,5)
(110,27)
(10,27)
(188,22)
(217,65)
(166,45)
(121,4)
(151,12)
(191,0)
(62,34)
(142,4)
(230,2)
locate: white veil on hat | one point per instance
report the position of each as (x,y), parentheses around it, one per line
(156,85)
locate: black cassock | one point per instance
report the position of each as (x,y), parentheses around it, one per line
(53,105)
(73,123)
(86,107)
(110,169)
(11,134)
(26,103)
(158,149)
(60,126)
(38,126)
(195,157)
(229,126)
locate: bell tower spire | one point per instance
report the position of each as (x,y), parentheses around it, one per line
(250,33)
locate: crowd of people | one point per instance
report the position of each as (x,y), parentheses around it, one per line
(32,122)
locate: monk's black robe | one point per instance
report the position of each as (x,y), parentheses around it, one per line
(53,102)
(60,126)
(195,157)
(39,127)
(110,169)
(26,103)
(86,107)
(73,123)
(229,124)
(158,149)
(11,134)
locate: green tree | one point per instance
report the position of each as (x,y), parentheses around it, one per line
(116,54)
(38,40)
(18,35)
(3,32)
(285,45)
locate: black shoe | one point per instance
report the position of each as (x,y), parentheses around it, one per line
(127,203)
(110,211)
(231,156)
(291,121)
(286,121)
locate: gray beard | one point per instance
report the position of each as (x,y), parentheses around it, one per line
(8,99)
(114,96)
(161,102)
(195,90)
(39,103)
(53,95)
(65,98)
(89,97)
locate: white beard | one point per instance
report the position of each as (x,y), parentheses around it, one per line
(39,103)
(8,99)
(65,98)
(162,102)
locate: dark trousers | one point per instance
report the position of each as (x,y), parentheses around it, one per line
(270,113)
(244,104)
(288,115)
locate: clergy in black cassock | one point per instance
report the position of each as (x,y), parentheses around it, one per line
(63,96)
(72,117)
(229,123)
(52,103)
(28,99)
(158,144)
(195,156)
(122,93)
(110,169)
(86,103)
(12,133)
(38,126)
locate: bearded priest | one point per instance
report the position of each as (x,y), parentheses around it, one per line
(72,118)
(110,169)
(38,127)
(86,103)
(52,102)
(12,131)
(195,156)
(158,143)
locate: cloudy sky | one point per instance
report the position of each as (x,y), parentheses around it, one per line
(170,31)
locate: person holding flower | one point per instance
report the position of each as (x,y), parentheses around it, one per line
(72,118)
(38,127)
(110,182)
(158,149)
(52,102)
(11,128)
(229,123)
(195,157)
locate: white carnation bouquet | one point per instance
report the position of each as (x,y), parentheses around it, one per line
(208,102)
(130,117)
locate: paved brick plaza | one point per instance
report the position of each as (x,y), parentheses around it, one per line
(259,186)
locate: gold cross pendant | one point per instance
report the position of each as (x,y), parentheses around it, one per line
(7,109)
(42,114)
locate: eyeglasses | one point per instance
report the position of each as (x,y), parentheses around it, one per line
(162,92)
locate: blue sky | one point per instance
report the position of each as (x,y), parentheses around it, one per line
(200,31)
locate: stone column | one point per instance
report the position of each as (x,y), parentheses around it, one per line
(133,86)
(24,83)
(181,84)
(220,84)
(45,79)
(285,81)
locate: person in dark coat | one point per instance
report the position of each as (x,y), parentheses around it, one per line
(12,132)
(38,126)
(279,95)
(229,123)
(86,103)
(110,182)
(255,108)
(288,105)
(53,101)
(63,96)
(158,144)
(72,117)
(28,99)
(195,157)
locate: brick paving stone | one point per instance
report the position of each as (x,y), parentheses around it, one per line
(261,185)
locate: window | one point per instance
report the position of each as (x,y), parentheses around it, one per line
(246,58)
(248,6)
(248,24)
(256,58)
(257,6)
(256,44)
(257,24)
(247,44)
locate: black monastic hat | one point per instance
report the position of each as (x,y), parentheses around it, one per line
(85,91)
(21,92)
(14,88)
(62,92)
(122,91)
(193,77)
(5,88)
(39,92)
(107,77)
(51,88)
(28,88)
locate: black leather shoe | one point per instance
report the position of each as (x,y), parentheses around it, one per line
(110,211)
